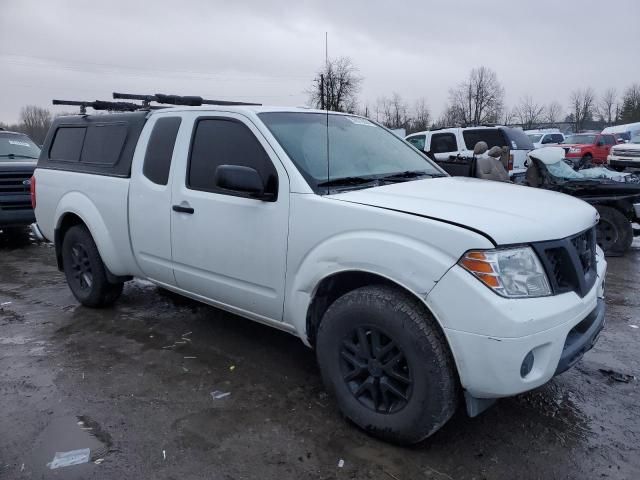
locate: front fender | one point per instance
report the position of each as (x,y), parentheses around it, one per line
(414,265)
(79,204)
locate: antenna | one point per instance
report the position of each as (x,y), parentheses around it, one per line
(325,97)
(191,101)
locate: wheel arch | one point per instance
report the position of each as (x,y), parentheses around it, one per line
(333,286)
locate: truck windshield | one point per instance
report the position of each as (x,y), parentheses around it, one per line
(535,137)
(17,147)
(360,152)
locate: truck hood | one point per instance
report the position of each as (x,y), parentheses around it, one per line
(506,213)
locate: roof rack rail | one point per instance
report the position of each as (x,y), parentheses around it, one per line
(191,101)
(103,105)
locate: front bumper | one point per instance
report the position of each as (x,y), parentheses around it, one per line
(14,218)
(623,162)
(490,336)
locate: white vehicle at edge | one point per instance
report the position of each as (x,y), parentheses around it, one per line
(409,284)
(625,155)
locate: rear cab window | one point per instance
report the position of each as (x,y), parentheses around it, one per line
(157,158)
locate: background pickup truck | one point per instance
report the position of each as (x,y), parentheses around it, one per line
(18,157)
(411,286)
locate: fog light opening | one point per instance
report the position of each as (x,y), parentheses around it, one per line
(527,364)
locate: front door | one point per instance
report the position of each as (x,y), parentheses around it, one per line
(228,247)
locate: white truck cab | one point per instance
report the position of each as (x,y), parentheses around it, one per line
(412,286)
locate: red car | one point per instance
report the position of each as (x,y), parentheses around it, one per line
(588,147)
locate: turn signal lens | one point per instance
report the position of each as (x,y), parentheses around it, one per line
(510,272)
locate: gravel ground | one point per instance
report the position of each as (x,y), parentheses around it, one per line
(133,383)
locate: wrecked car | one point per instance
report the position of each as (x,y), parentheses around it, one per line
(412,286)
(615,195)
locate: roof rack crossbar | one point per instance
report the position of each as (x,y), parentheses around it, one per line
(102,105)
(191,101)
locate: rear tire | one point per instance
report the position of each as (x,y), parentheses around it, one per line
(614,232)
(85,271)
(387,363)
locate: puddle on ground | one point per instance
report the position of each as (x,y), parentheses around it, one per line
(64,434)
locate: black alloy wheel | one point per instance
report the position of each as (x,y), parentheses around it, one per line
(376,370)
(81,266)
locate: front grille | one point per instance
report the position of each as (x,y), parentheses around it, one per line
(618,152)
(14,182)
(6,206)
(570,263)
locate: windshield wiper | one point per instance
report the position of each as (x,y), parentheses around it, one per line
(16,155)
(347,181)
(409,175)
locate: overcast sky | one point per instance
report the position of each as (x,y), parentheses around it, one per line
(268,50)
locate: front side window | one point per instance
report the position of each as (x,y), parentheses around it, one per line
(358,149)
(609,140)
(535,137)
(218,141)
(17,147)
(417,141)
(443,143)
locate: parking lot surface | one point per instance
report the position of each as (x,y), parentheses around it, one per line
(134,384)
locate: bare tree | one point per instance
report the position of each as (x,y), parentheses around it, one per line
(582,106)
(393,112)
(607,106)
(528,113)
(336,86)
(448,118)
(553,113)
(421,118)
(630,110)
(35,122)
(479,99)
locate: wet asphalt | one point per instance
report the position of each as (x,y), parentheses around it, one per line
(134,384)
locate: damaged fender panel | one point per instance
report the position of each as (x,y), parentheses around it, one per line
(346,242)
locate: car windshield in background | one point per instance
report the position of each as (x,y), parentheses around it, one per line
(359,150)
(583,139)
(534,138)
(17,147)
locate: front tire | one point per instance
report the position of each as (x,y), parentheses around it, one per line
(614,232)
(85,271)
(387,363)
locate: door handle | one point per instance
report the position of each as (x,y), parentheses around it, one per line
(182,209)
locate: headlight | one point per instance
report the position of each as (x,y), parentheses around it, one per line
(574,150)
(510,272)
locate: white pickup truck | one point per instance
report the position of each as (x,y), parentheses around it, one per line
(413,287)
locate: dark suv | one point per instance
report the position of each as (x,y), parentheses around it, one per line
(18,158)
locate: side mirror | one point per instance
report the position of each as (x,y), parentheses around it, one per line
(241,179)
